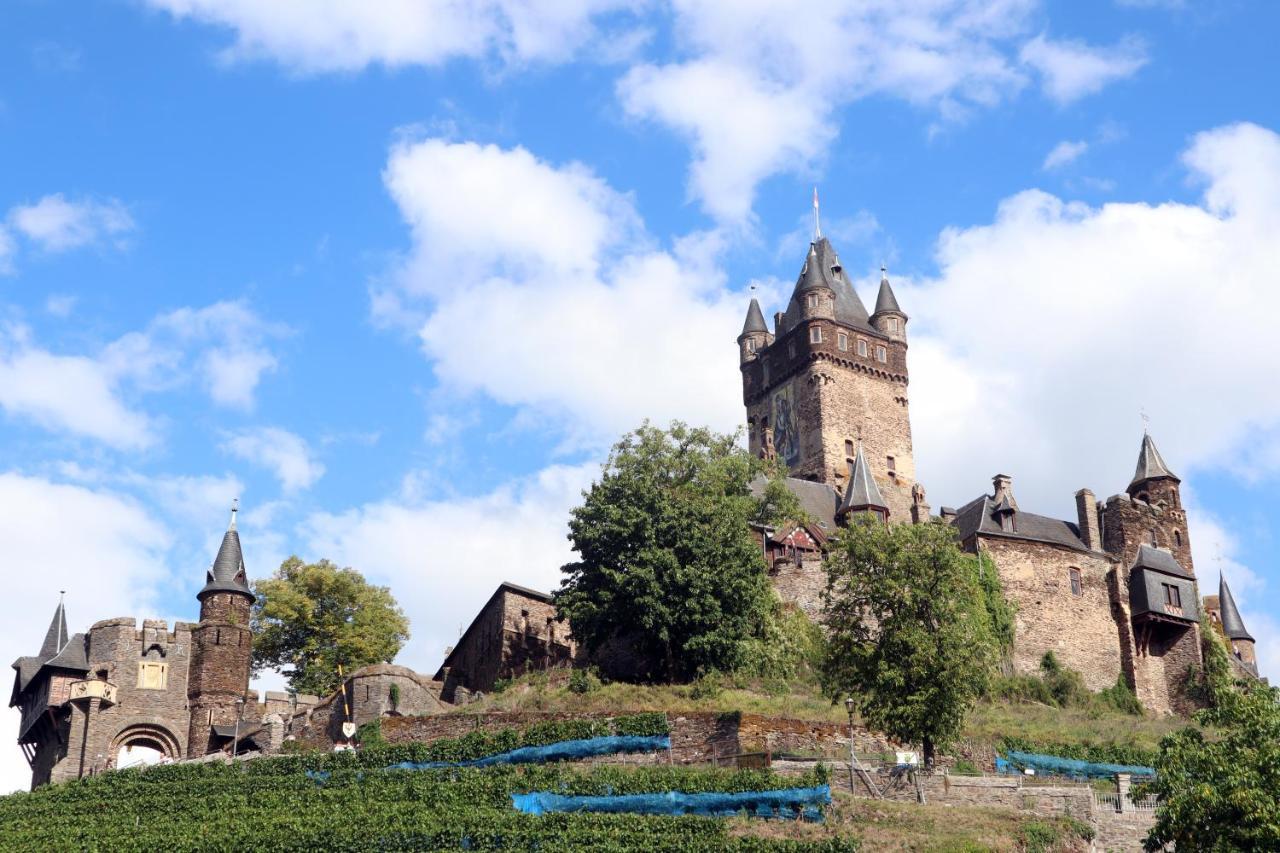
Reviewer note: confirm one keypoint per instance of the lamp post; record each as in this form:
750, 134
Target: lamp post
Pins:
235, 740
848, 705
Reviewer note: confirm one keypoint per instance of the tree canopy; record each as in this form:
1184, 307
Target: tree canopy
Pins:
910, 636
311, 617
668, 567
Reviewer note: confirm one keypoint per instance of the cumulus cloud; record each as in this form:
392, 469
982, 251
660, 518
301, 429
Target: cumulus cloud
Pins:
444, 558
1070, 69
284, 453
1063, 153
56, 224
565, 307
347, 35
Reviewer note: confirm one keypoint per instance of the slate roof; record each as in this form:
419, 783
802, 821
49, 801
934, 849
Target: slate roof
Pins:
755, 319
979, 517
227, 573
822, 268
819, 500
1232, 624
1150, 463
56, 637
58, 651
885, 300
1159, 560
862, 491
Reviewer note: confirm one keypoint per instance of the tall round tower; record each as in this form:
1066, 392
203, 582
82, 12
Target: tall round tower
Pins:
221, 647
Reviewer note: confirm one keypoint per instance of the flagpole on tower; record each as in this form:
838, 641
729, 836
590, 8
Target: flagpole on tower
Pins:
817, 224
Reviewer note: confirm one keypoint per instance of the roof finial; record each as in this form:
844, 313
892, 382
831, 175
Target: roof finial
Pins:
884, 272
235, 507
817, 223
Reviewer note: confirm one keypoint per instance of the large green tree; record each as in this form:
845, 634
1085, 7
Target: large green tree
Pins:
1219, 780
668, 567
910, 636
311, 617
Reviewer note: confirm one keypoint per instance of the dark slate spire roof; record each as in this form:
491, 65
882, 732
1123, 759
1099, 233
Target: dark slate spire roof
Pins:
862, 491
822, 268
886, 302
59, 650
227, 573
1150, 464
755, 319
1232, 624
1160, 560
56, 637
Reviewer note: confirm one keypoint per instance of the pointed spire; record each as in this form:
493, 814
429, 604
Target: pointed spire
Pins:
885, 300
227, 573
862, 493
1150, 464
755, 319
56, 637
1232, 624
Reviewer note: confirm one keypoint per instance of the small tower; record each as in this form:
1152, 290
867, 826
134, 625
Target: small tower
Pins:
888, 317
1240, 640
221, 646
755, 334
862, 494
1153, 482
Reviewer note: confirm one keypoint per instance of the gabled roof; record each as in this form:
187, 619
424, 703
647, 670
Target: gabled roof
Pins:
818, 500
862, 491
227, 573
979, 517
1232, 624
755, 319
886, 302
58, 651
1159, 560
1150, 463
822, 268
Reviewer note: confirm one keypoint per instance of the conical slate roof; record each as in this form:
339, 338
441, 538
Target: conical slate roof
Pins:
59, 650
227, 573
1232, 624
1150, 464
862, 491
822, 268
886, 302
56, 637
755, 319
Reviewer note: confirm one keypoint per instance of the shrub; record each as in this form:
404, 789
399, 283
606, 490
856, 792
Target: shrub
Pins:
965, 767
584, 681
1122, 698
369, 735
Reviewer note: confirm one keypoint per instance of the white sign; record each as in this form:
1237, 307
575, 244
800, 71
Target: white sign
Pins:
348, 729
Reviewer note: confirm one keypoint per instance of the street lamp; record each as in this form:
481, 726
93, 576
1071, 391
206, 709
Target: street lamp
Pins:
848, 706
235, 740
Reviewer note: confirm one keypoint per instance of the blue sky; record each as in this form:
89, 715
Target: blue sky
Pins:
396, 274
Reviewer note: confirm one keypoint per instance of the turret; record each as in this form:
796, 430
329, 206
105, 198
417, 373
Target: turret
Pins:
888, 317
755, 334
1153, 483
1238, 637
221, 646
814, 296
861, 495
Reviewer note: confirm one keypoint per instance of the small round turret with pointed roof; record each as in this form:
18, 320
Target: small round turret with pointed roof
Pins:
888, 317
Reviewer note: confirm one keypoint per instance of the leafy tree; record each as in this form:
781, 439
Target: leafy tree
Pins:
910, 637
668, 564
1220, 790
311, 617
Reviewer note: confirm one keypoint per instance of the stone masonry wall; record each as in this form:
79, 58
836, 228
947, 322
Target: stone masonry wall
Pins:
222, 647
512, 635
801, 584
1080, 630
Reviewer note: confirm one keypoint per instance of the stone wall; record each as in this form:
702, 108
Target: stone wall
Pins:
222, 647
801, 583
1080, 630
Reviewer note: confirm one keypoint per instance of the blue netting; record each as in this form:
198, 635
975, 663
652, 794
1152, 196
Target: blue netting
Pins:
565, 750
788, 803
1053, 765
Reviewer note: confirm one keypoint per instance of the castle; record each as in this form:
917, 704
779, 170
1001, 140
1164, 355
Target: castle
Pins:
1112, 593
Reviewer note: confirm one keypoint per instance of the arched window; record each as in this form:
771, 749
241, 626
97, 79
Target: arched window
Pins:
1177, 538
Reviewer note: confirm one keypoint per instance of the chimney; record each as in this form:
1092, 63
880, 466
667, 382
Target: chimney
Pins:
1003, 485
1087, 513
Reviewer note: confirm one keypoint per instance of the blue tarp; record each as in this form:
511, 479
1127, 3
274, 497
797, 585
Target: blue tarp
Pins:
1016, 762
565, 750
784, 803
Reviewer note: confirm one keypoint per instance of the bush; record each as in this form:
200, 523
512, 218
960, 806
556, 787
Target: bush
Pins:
369, 735
1122, 698
583, 681
965, 767
1101, 753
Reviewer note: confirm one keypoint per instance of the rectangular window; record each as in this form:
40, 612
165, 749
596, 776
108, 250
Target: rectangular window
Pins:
842, 339
751, 345
1077, 587
152, 676
848, 448
882, 354
815, 335
893, 324
791, 348
890, 461
1172, 597
813, 300
862, 348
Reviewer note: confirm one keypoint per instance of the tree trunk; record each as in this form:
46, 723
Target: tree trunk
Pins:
928, 753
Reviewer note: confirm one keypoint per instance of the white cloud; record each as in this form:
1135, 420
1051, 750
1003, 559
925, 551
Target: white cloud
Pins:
60, 304
285, 454
1063, 153
552, 313
347, 35
7, 249
443, 558
56, 224
114, 538
1072, 69
1049, 329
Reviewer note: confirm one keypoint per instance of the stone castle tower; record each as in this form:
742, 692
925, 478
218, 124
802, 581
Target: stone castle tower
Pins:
830, 381
221, 647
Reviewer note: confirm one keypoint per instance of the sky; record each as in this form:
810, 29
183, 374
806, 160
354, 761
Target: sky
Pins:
397, 274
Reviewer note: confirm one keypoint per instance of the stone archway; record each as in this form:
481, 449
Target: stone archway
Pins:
144, 743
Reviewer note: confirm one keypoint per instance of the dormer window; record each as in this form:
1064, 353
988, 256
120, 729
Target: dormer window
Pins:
882, 354
862, 348
815, 335
842, 340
